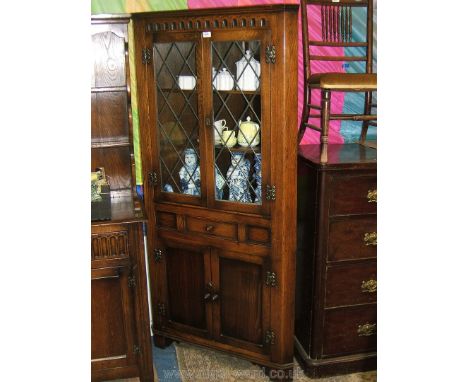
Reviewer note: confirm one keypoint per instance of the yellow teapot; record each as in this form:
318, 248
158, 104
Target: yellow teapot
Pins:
249, 133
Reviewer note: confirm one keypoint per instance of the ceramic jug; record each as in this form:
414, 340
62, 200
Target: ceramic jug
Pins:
248, 72
249, 133
224, 80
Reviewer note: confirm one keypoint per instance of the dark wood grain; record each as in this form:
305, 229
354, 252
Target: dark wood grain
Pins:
120, 342
255, 238
334, 214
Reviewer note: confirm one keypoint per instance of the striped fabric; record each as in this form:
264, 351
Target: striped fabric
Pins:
346, 131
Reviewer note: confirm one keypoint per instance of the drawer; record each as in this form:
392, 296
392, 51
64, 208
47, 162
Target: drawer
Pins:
351, 284
354, 194
225, 230
350, 330
352, 238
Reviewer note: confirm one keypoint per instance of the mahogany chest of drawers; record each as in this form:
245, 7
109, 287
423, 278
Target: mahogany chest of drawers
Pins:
336, 284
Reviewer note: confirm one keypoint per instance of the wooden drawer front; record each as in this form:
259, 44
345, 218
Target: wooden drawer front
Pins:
258, 234
351, 284
350, 194
166, 220
350, 330
352, 238
225, 230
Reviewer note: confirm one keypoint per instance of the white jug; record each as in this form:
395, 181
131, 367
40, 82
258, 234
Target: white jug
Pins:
248, 72
224, 80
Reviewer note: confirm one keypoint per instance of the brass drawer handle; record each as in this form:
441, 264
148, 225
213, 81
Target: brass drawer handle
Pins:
369, 286
370, 238
366, 329
209, 228
372, 196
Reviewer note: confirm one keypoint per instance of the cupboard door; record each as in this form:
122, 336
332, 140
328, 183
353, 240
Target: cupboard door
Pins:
176, 84
238, 109
187, 275
241, 312
112, 324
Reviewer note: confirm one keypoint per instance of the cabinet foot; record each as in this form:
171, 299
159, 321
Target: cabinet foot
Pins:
161, 341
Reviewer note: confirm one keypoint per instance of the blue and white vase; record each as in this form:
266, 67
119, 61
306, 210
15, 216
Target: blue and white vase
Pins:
238, 178
219, 184
258, 177
190, 173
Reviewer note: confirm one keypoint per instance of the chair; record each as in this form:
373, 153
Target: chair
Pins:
337, 30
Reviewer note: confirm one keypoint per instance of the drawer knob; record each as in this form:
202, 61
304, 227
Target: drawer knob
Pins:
209, 228
372, 196
366, 330
370, 238
369, 286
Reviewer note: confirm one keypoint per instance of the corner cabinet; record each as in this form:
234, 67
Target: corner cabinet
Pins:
217, 93
120, 328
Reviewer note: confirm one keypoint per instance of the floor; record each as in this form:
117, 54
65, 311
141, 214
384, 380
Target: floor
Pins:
183, 363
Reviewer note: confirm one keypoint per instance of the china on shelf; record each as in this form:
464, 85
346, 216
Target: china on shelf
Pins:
219, 127
223, 80
229, 138
186, 82
248, 72
249, 133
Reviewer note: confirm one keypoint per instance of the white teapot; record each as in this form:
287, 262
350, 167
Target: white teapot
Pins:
249, 133
248, 72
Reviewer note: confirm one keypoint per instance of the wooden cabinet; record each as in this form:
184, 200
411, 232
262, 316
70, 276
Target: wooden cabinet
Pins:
120, 332
221, 219
336, 286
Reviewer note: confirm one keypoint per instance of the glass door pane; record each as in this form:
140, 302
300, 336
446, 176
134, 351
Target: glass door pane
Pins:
178, 121
236, 79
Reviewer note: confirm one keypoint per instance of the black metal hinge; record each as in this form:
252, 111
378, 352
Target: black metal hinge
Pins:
131, 281
136, 349
270, 54
271, 279
270, 192
158, 254
153, 178
161, 314
146, 56
270, 337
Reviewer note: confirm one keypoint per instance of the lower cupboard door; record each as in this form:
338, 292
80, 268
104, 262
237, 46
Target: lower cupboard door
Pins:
241, 313
112, 323
187, 275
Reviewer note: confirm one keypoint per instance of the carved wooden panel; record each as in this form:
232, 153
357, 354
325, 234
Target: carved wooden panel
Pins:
109, 60
107, 245
222, 22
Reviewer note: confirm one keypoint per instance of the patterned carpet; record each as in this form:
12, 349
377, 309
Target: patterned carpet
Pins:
189, 363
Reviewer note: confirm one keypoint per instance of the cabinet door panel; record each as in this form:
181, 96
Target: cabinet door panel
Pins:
112, 325
181, 166
241, 315
187, 274
239, 106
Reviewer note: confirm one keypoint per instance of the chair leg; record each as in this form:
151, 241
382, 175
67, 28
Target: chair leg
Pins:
305, 116
325, 121
367, 111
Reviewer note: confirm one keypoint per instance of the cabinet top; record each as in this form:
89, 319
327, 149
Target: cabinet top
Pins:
222, 10
339, 155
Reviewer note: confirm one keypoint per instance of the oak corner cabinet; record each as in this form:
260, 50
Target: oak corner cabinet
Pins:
221, 217
120, 328
336, 280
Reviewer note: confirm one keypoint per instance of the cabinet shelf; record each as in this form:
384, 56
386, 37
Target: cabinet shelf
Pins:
256, 149
109, 89
109, 142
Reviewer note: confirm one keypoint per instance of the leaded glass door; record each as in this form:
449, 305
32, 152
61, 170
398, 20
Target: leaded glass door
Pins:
177, 87
239, 112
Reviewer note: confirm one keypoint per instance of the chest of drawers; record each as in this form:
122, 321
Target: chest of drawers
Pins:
336, 286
